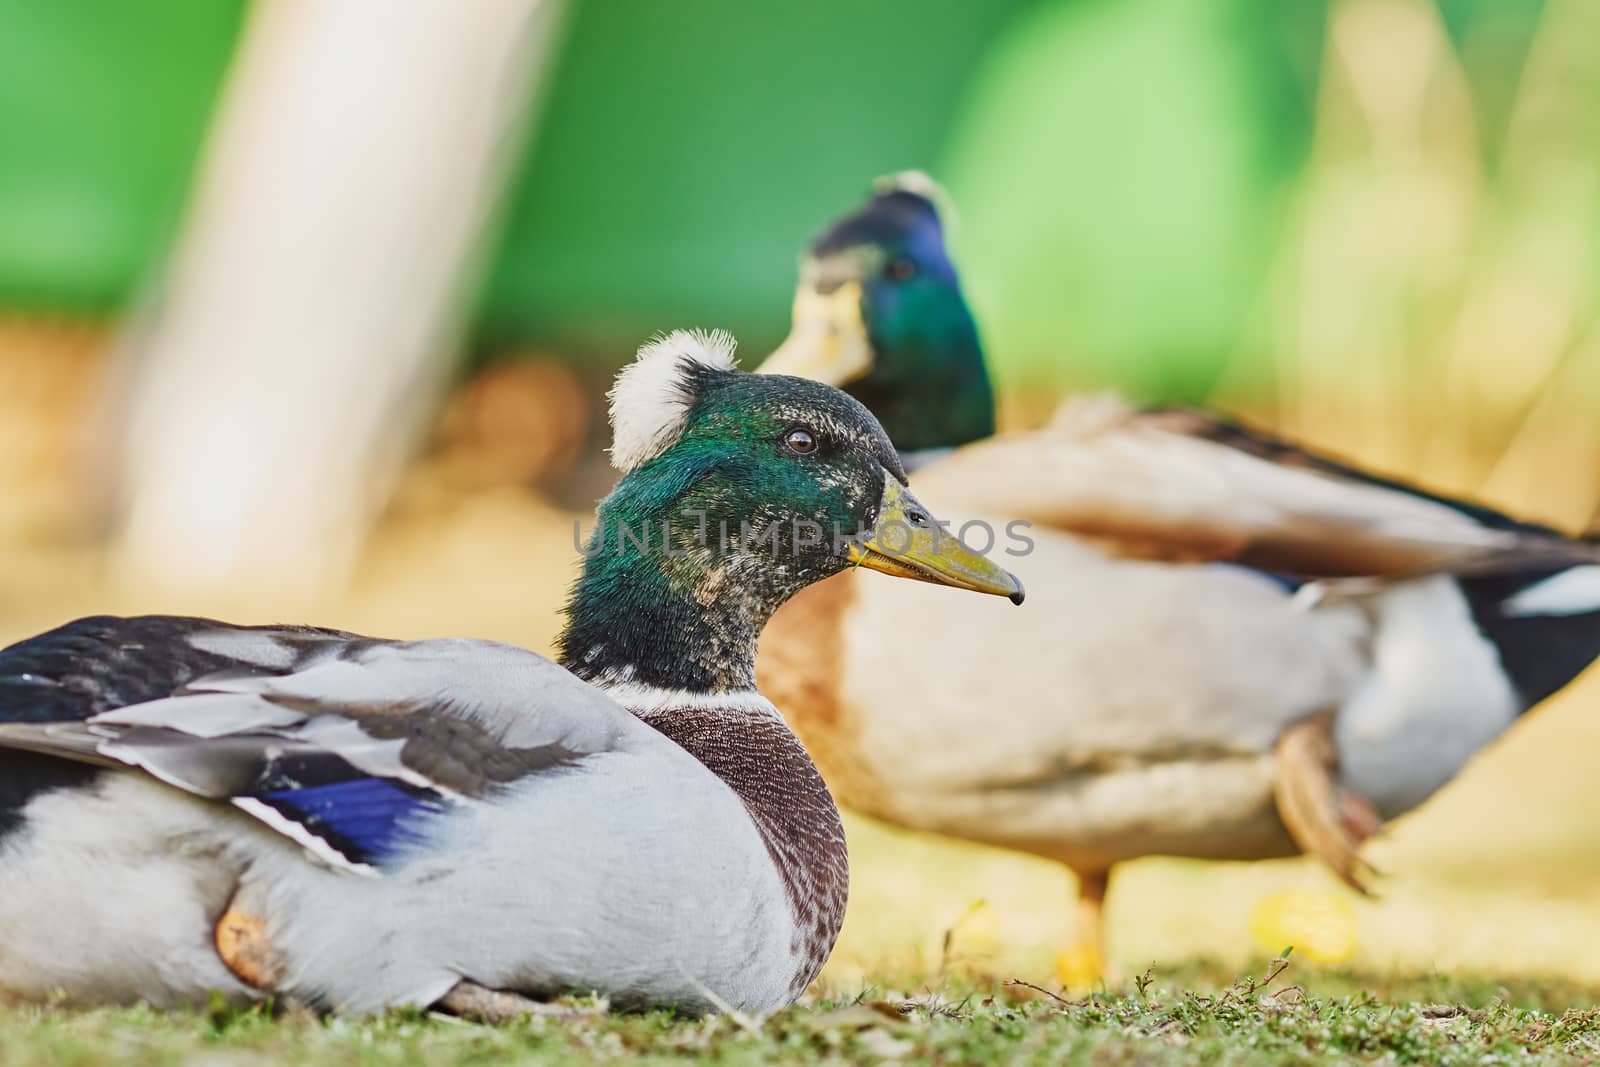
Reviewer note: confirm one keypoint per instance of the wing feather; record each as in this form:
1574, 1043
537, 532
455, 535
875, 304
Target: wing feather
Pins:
1185, 487
343, 746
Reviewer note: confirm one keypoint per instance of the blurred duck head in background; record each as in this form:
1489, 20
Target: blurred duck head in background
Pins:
879, 313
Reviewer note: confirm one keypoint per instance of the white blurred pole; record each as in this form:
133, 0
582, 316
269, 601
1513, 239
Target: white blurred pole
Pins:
317, 294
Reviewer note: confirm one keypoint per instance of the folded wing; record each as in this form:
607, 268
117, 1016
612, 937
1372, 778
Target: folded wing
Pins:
346, 745
1178, 485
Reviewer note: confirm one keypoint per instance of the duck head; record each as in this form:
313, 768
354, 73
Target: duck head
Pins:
879, 313
738, 490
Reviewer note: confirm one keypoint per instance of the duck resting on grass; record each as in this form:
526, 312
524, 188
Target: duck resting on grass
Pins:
188, 806
1168, 692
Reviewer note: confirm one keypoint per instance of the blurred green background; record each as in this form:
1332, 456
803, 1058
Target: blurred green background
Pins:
1126, 171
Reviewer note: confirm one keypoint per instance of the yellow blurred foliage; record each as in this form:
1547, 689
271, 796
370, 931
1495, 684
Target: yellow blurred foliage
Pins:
1317, 924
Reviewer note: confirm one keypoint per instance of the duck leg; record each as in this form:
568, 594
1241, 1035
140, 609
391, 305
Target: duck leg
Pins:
245, 949
1082, 964
242, 943
496, 1006
1324, 820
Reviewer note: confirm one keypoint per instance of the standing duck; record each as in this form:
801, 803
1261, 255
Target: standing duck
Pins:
1169, 691
188, 806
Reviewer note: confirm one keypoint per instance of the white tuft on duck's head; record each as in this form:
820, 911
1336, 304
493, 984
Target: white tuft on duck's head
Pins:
651, 400
919, 183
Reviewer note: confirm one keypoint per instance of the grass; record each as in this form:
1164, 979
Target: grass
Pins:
1190, 1015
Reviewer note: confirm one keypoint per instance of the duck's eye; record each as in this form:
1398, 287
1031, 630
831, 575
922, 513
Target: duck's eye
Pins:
899, 269
801, 441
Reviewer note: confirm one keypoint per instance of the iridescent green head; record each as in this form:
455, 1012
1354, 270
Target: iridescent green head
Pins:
738, 490
879, 313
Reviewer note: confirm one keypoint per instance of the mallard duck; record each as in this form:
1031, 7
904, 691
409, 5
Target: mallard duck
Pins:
188, 806
1169, 691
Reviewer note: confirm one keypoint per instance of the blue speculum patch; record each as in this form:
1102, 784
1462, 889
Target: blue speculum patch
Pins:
368, 820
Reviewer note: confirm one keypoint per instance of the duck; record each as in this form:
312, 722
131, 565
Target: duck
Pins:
1237, 649
191, 809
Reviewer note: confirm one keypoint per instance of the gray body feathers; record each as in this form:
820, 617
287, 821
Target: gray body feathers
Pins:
403, 815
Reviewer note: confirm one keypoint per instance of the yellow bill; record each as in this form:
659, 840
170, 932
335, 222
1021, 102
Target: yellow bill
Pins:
827, 341
908, 543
